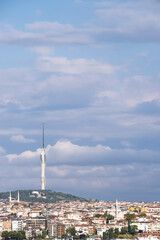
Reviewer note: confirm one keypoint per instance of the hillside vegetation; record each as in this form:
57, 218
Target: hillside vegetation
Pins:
47, 196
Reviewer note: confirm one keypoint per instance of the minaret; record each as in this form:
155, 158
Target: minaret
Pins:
18, 197
116, 212
10, 198
43, 164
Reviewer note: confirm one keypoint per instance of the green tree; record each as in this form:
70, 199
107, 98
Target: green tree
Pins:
117, 231
25, 205
98, 215
133, 230
5, 235
44, 234
14, 235
135, 210
17, 235
111, 233
124, 230
22, 232
64, 235
142, 215
71, 230
129, 217
105, 235
109, 217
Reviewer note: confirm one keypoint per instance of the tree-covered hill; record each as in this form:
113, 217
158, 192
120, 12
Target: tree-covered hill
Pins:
47, 196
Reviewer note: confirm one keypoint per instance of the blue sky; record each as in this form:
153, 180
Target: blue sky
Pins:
90, 71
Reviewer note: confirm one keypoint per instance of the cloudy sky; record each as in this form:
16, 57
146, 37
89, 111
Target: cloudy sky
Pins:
90, 70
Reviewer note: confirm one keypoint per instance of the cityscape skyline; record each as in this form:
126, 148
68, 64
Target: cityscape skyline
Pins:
90, 71
33, 217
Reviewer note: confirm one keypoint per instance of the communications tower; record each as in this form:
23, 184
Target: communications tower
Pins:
43, 164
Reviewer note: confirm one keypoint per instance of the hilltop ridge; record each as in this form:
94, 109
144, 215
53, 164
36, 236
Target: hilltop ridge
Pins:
47, 196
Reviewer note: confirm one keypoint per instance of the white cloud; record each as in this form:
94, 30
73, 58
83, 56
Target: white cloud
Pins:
43, 50
75, 66
97, 168
51, 26
58, 80
130, 20
130, 14
117, 21
20, 131
108, 94
126, 144
21, 139
59, 171
129, 92
91, 170
24, 158
2, 150
11, 157
18, 88
44, 33
66, 153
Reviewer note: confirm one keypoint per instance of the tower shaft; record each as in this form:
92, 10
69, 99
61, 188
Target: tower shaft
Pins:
43, 164
43, 168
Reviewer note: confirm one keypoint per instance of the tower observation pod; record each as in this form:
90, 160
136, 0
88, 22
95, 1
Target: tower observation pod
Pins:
43, 164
